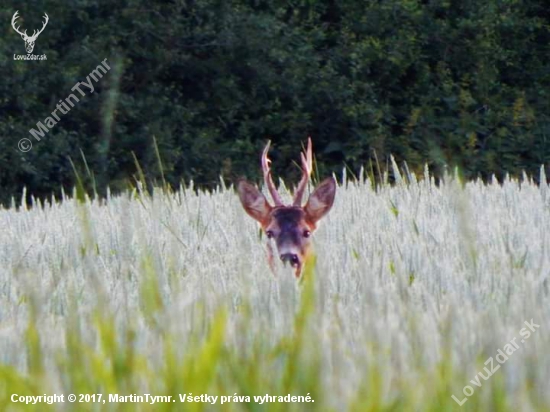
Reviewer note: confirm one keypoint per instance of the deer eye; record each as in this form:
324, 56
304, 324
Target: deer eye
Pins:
269, 234
307, 233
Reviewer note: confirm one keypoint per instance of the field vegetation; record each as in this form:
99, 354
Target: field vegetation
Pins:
412, 288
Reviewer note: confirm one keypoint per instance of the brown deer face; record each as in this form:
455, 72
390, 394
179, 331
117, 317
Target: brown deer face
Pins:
289, 226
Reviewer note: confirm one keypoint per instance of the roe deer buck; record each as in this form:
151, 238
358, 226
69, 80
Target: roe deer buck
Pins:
289, 225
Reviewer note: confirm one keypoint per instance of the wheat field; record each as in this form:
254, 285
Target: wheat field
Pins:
414, 286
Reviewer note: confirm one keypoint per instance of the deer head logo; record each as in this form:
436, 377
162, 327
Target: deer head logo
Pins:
29, 40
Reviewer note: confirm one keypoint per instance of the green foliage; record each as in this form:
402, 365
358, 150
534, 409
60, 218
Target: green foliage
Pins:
446, 82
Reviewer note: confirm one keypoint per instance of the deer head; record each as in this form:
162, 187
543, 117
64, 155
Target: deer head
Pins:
289, 226
29, 40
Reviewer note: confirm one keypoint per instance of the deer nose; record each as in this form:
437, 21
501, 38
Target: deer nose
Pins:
291, 258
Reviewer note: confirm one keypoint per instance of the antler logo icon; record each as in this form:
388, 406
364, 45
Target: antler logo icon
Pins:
29, 40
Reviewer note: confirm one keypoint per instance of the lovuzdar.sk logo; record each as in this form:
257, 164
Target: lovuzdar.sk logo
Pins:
29, 40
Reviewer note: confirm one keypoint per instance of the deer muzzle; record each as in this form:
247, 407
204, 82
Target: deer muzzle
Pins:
291, 258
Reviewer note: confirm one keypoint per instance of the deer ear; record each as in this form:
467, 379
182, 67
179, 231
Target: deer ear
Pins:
321, 200
254, 202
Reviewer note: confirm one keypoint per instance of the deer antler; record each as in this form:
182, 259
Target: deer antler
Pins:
267, 176
24, 34
15, 17
307, 167
35, 33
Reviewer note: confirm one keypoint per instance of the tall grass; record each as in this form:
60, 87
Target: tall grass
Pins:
412, 288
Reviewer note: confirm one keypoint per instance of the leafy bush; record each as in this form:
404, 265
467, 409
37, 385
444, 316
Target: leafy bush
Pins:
451, 82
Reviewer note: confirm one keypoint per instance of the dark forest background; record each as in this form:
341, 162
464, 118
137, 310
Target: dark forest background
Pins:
458, 83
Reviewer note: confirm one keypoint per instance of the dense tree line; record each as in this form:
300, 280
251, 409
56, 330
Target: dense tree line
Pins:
207, 82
